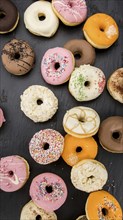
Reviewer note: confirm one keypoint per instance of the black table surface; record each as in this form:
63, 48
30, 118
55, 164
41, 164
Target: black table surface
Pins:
17, 131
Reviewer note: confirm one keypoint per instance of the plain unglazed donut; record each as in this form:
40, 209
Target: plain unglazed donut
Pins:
81, 122
18, 57
76, 149
86, 83
39, 103
101, 30
31, 212
83, 52
70, 12
115, 85
103, 205
89, 175
40, 19
46, 146
57, 65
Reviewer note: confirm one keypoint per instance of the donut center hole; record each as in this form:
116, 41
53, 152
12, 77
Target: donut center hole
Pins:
57, 65
41, 17
2, 14
70, 4
87, 84
16, 56
104, 211
78, 149
11, 173
81, 119
101, 29
77, 55
39, 102
46, 146
38, 217
49, 189
91, 177
116, 135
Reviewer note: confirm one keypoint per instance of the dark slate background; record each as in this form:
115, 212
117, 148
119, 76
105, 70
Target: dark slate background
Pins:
18, 129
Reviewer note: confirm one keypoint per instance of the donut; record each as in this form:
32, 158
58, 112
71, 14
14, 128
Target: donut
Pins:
57, 65
102, 205
48, 191
33, 212
18, 57
82, 217
8, 21
76, 149
38, 103
46, 146
40, 19
70, 12
14, 172
86, 83
115, 85
89, 175
101, 30
81, 122
83, 52
111, 134
2, 119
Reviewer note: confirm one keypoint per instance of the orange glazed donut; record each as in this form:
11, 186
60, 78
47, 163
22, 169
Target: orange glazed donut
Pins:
76, 149
101, 205
101, 30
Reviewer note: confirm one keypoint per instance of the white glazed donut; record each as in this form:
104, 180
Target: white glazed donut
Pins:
31, 212
39, 103
89, 175
86, 83
40, 19
81, 122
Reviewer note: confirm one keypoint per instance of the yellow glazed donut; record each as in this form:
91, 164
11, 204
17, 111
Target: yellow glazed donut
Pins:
101, 205
81, 122
101, 30
76, 149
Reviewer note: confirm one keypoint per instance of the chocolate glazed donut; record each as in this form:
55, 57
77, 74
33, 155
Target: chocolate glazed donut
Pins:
9, 16
83, 52
111, 134
18, 57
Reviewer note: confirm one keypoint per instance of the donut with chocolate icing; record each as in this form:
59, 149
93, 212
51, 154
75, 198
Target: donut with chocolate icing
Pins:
111, 134
18, 57
115, 85
83, 52
9, 16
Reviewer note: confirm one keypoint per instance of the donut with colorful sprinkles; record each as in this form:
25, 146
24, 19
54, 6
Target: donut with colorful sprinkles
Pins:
48, 191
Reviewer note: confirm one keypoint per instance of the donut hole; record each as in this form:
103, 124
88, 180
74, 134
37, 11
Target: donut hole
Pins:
39, 102
11, 173
38, 217
81, 119
78, 149
16, 56
49, 189
102, 29
91, 177
41, 17
57, 65
46, 146
77, 55
87, 84
104, 211
70, 4
2, 14
116, 135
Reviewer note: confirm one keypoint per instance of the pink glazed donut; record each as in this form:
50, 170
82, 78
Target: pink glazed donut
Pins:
57, 65
46, 146
14, 172
48, 191
2, 119
70, 12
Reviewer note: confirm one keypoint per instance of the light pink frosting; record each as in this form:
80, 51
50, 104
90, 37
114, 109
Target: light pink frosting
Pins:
13, 173
60, 56
48, 201
2, 119
72, 11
